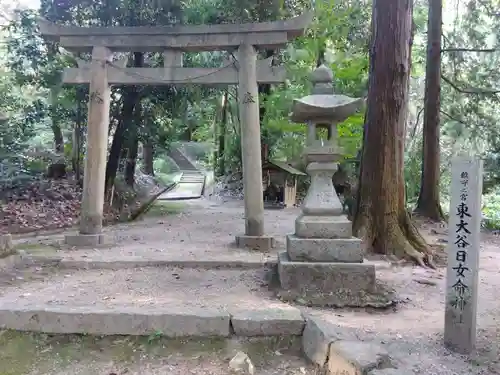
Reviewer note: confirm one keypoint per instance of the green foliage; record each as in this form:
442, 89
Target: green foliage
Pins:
491, 210
340, 30
37, 106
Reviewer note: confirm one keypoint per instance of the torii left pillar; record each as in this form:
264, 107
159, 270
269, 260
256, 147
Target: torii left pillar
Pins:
248, 96
91, 218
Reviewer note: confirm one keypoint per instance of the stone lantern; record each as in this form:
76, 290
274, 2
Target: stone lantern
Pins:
323, 264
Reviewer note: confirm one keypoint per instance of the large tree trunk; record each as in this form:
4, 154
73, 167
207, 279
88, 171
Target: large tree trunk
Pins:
381, 216
130, 99
428, 204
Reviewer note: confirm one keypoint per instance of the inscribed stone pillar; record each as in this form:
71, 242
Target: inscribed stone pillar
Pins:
97, 144
463, 254
250, 140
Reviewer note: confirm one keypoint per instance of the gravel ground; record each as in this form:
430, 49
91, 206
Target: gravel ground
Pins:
204, 230
412, 332
162, 288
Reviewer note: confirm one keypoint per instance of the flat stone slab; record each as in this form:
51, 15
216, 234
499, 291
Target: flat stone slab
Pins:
260, 243
138, 254
90, 320
347, 250
356, 357
317, 337
268, 322
323, 227
392, 371
84, 240
141, 301
134, 262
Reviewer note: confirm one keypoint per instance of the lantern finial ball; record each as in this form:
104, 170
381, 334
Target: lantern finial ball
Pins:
322, 74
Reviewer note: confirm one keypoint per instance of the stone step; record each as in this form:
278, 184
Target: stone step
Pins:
181, 160
356, 357
392, 371
195, 177
143, 301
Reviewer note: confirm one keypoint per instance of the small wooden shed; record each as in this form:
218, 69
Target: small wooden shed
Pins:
280, 182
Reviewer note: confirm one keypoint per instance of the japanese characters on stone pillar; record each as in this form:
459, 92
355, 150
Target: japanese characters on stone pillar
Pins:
463, 254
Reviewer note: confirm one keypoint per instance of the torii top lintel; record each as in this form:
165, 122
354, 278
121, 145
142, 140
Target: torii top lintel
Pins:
184, 38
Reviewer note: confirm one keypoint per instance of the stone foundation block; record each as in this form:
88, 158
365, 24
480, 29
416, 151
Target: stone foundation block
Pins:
317, 337
95, 321
356, 358
323, 227
347, 250
270, 322
261, 243
391, 371
84, 240
322, 277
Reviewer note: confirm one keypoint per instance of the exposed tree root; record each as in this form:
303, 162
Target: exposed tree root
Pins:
402, 240
431, 211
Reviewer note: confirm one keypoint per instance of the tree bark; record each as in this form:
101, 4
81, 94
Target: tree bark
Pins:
148, 157
55, 120
381, 217
428, 204
221, 140
78, 137
130, 100
133, 145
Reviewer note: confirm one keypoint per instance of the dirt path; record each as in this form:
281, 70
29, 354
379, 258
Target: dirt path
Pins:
203, 230
413, 332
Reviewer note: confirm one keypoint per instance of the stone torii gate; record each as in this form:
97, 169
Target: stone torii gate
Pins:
246, 71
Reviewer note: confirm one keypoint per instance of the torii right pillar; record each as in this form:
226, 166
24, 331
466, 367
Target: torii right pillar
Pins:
248, 97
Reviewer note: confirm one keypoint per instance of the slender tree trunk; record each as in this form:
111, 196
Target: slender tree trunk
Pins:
54, 92
78, 136
428, 204
381, 216
55, 120
221, 160
148, 157
133, 145
264, 90
133, 150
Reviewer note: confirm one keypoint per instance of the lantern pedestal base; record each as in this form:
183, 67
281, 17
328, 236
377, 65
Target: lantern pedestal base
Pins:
307, 226
330, 284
